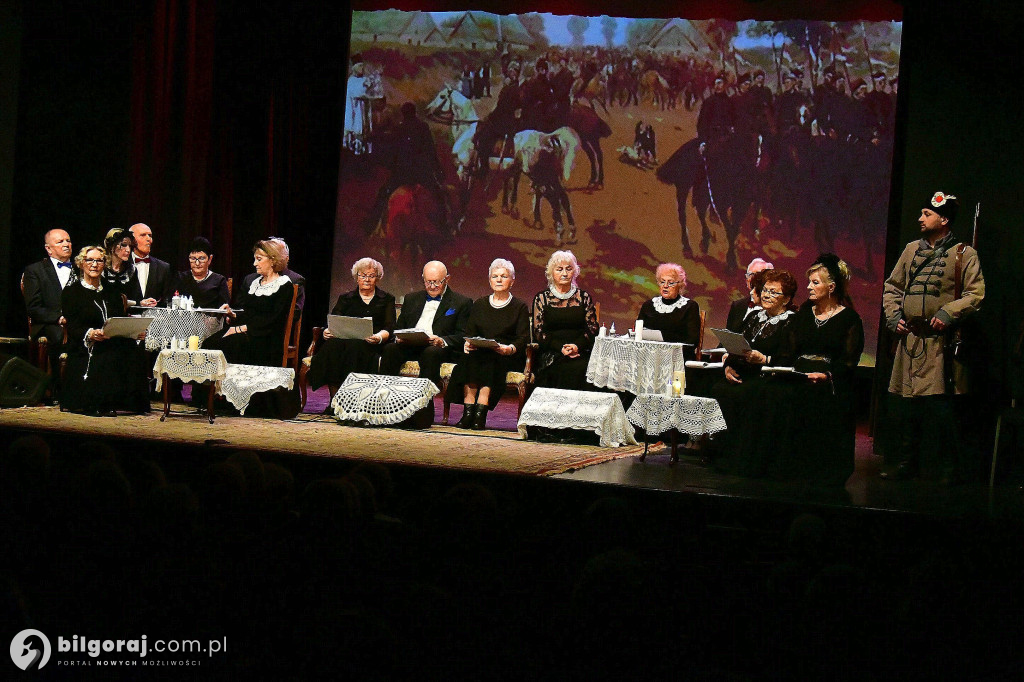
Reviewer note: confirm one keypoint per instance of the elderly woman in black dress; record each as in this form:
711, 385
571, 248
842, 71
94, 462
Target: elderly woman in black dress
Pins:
741, 390
671, 313
256, 334
828, 339
104, 375
480, 372
338, 357
564, 326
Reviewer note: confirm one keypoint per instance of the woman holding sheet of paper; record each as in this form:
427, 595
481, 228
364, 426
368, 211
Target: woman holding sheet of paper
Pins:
671, 313
104, 375
480, 372
338, 357
742, 392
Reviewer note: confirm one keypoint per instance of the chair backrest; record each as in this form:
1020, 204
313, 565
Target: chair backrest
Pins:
231, 288
292, 327
597, 309
700, 339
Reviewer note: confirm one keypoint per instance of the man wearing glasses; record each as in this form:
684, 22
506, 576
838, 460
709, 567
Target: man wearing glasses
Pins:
208, 289
740, 308
438, 311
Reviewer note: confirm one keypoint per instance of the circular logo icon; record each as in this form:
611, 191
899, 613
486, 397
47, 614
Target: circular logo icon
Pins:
30, 650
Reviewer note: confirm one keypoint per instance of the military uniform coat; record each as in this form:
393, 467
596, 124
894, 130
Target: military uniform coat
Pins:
922, 287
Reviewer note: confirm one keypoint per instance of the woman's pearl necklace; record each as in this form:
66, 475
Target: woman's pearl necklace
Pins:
558, 294
499, 305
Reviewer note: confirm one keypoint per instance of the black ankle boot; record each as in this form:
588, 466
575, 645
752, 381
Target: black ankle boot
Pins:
468, 413
480, 418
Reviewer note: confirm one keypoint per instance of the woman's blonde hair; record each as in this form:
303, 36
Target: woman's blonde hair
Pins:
559, 257
80, 258
277, 251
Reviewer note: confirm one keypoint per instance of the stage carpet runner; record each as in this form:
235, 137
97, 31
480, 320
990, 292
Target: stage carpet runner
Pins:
321, 436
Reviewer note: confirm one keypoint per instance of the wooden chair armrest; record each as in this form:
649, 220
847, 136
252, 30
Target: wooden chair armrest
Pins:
314, 344
531, 350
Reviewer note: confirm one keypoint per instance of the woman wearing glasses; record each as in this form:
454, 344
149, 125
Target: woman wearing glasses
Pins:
207, 289
334, 361
741, 393
104, 375
564, 326
671, 313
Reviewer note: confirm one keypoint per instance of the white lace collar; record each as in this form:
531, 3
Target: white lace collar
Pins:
258, 289
663, 308
98, 287
762, 316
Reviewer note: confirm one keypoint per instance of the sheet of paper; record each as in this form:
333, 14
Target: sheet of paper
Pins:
344, 327
127, 327
732, 342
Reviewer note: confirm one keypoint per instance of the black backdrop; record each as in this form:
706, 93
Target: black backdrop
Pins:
223, 118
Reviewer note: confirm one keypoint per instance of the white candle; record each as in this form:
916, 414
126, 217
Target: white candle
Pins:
638, 330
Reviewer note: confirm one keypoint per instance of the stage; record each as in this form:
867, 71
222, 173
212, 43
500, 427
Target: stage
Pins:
500, 450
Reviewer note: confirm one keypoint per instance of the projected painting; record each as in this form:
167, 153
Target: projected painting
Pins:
470, 136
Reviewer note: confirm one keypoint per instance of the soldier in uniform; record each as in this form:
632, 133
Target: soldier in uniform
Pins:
717, 117
921, 307
881, 104
787, 113
539, 100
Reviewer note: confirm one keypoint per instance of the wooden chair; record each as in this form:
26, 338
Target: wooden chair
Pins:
521, 382
292, 331
314, 346
700, 339
231, 288
38, 349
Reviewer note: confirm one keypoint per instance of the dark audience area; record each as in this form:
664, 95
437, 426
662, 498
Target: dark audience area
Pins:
313, 567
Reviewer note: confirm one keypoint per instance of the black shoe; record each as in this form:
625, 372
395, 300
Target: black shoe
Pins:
480, 418
468, 414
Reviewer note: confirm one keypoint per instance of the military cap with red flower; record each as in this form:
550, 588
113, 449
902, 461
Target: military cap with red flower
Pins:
946, 205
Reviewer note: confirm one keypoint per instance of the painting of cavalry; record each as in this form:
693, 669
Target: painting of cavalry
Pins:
470, 136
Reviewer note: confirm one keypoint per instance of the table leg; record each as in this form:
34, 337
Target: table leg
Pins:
209, 401
167, 395
674, 434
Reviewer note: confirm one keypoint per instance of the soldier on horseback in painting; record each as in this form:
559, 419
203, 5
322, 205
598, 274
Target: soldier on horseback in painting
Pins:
540, 101
788, 116
717, 117
413, 162
504, 121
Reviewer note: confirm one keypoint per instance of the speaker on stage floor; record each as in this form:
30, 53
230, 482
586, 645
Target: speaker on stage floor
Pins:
21, 383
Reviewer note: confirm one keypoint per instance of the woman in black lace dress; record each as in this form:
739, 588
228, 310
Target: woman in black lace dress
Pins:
741, 390
564, 326
119, 268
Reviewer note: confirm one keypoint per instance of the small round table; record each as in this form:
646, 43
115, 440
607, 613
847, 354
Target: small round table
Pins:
656, 414
191, 366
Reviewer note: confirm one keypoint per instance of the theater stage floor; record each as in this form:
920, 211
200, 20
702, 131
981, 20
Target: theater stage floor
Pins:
490, 453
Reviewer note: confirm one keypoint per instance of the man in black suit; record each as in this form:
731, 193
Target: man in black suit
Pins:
153, 281
441, 313
43, 281
740, 308
295, 277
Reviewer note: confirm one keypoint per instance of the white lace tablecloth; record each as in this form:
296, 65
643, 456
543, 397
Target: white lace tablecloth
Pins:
191, 365
179, 324
381, 400
601, 413
623, 364
657, 414
242, 382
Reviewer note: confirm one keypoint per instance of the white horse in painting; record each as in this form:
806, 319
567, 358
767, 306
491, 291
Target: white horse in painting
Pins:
452, 108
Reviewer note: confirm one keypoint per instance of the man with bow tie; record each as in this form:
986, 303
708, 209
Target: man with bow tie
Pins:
438, 311
43, 282
151, 284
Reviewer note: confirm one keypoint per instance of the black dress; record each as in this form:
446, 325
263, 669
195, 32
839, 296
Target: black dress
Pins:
509, 325
119, 282
557, 322
337, 358
264, 313
104, 375
821, 449
678, 320
212, 292
740, 449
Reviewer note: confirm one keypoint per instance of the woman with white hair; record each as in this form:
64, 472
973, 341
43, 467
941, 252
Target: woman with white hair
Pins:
480, 372
338, 357
564, 326
671, 313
